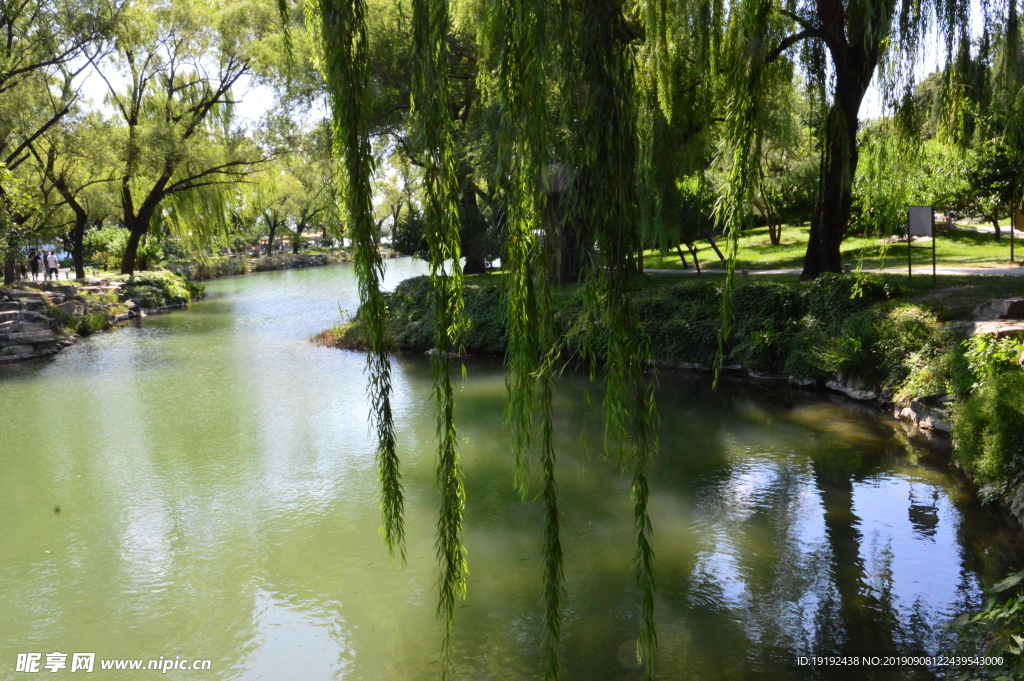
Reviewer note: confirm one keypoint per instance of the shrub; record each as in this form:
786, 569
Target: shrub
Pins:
409, 235
157, 289
997, 631
834, 298
105, 248
93, 322
988, 425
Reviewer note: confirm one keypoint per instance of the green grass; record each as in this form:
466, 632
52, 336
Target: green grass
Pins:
955, 249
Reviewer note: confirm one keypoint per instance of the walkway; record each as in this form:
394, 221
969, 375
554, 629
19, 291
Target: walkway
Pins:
922, 270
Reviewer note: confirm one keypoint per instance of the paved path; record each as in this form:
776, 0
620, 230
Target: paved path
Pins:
918, 271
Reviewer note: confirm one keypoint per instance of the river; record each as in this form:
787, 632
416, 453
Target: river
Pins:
202, 485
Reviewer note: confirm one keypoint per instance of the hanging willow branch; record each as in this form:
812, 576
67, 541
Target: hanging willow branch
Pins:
339, 27
531, 360
431, 95
610, 133
740, 154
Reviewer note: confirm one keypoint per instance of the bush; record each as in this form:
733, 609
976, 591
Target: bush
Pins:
409, 236
158, 289
776, 327
93, 322
105, 248
996, 631
834, 298
988, 425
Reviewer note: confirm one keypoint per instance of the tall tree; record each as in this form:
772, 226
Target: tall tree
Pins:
845, 44
45, 46
75, 165
180, 63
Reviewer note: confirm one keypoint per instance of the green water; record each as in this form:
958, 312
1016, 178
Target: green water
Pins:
216, 487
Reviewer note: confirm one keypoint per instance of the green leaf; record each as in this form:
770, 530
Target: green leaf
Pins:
1009, 582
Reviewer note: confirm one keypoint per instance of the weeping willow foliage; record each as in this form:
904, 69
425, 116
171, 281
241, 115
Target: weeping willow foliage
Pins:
608, 133
339, 26
431, 95
613, 101
518, 45
677, 96
740, 157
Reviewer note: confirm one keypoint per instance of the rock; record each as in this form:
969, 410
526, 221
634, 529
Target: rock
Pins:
929, 414
17, 350
1017, 504
10, 307
32, 337
852, 388
1000, 329
24, 327
72, 307
22, 294
11, 316
1004, 308
767, 378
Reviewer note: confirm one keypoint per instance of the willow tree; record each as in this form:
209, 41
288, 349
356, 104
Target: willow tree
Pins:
170, 81
45, 46
590, 47
844, 45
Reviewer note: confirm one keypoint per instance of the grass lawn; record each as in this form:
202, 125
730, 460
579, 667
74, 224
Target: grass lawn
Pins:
955, 249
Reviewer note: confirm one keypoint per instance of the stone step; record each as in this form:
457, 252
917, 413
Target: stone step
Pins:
999, 329
26, 327
22, 294
10, 316
10, 306
1004, 308
31, 337
16, 351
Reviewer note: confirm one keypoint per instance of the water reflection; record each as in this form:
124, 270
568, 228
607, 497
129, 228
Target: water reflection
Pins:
218, 492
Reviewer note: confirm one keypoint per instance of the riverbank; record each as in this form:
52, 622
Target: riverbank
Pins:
944, 369
231, 265
39, 319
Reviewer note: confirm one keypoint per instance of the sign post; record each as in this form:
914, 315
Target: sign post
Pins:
920, 222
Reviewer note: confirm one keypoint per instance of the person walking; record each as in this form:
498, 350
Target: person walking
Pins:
33, 263
52, 266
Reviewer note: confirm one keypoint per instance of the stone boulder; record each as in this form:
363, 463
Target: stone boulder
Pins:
1004, 308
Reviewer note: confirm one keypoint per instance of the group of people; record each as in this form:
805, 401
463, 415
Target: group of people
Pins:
44, 262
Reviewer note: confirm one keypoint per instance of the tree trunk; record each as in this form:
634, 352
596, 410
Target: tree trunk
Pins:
707, 235
838, 167
473, 231
999, 231
693, 252
682, 258
137, 229
774, 232
77, 239
270, 239
10, 270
